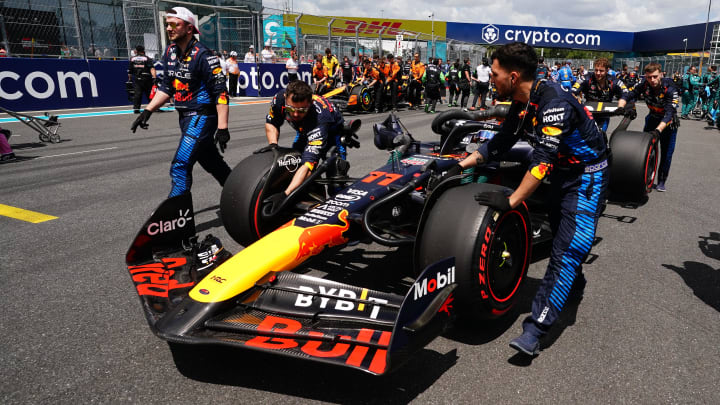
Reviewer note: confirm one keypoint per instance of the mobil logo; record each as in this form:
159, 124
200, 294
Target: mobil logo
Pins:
430, 285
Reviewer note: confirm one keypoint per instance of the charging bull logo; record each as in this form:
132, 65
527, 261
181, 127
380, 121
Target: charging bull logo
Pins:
180, 86
316, 238
541, 170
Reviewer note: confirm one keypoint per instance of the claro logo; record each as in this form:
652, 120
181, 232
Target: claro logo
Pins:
41, 85
168, 226
430, 285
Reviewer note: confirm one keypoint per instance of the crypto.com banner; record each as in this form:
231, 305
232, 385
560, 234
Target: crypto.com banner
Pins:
52, 84
496, 34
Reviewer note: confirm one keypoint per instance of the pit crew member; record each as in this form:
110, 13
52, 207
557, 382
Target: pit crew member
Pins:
565, 76
417, 70
598, 86
691, 91
318, 124
569, 149
193, 76
662, 97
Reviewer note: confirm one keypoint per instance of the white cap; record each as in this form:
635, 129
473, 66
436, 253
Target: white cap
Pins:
185, 15
268, 43
233, 53
252, 47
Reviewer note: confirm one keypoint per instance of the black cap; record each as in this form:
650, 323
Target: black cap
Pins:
140, 48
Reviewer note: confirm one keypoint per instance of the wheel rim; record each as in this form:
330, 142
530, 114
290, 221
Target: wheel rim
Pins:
508, 256
650, 166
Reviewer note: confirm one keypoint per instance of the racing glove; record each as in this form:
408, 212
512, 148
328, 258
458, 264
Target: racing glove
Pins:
272, 202
266, 148
222, 137
655, 133
493, 199
141, 120
620, 111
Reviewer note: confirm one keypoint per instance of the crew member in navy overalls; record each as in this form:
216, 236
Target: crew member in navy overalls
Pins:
662, 98
569, 149
318, 125
599, 86
193, 75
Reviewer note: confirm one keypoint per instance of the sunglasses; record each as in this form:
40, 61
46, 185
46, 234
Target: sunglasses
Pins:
172, 25
299, 110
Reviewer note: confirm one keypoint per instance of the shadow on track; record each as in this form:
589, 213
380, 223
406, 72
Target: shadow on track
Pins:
703, 279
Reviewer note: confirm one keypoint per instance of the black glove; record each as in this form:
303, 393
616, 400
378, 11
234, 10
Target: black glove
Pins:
272, 202
620, 111
655, 133
141, 120
493, 199
266, 148
222, 137
350, 140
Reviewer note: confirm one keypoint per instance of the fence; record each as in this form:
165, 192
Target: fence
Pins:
671, 64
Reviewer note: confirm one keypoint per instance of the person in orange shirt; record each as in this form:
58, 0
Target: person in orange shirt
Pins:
390, 70
417, 70
319, 74
373, 78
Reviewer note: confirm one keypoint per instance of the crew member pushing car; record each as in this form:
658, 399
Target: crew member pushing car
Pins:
569, 149
662, 98
194, 77
599, 86
318, 124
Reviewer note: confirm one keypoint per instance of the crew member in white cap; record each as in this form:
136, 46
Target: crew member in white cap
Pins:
194, 77
268, 56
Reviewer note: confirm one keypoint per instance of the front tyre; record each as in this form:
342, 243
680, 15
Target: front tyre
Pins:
491, 249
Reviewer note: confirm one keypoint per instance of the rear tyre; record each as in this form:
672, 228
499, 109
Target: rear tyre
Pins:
242, 195
491, 249
634, 163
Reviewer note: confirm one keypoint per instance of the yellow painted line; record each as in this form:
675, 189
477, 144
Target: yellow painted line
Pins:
363, 296
600, 105
24, 215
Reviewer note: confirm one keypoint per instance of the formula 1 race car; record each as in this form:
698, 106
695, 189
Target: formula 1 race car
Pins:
353, 97
466, 257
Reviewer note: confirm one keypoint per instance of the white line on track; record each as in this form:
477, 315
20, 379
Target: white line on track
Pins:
77, 153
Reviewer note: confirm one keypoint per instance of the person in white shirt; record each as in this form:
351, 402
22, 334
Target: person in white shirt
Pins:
482, 83
292, 67
250, 55
268, 56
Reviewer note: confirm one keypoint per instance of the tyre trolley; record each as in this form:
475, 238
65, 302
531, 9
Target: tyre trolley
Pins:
47, 128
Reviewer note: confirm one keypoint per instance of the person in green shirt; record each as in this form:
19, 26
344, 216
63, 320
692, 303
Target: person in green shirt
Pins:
691, 90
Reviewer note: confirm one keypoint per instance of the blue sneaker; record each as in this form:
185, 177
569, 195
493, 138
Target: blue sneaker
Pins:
660, 186
526, 343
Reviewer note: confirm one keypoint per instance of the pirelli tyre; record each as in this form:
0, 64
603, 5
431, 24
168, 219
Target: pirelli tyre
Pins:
634, 163
250, 182
491, 249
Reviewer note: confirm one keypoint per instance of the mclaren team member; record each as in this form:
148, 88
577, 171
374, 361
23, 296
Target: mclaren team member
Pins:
417, 70
569, 149
599, 86
390, 72
373, 77
318, 124
142, 70
331, 63
662, 98
193, 76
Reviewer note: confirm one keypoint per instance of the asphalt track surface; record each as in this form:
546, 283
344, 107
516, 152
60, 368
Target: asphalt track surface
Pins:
647, 330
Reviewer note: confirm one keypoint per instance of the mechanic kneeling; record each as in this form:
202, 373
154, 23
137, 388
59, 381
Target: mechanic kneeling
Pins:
318, 124
570, 149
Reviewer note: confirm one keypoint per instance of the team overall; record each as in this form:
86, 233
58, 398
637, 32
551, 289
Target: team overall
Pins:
662, 103
195, 81
569, 149
319, 130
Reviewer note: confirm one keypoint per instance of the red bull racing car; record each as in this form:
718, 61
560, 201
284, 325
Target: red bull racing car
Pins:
466, 258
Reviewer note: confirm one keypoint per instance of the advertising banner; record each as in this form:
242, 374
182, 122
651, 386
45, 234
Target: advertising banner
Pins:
276, 34
51, 84
367, 27
496, 34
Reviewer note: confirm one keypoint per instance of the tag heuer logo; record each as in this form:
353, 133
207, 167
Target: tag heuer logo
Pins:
490, 33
